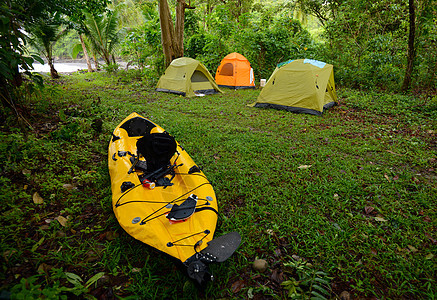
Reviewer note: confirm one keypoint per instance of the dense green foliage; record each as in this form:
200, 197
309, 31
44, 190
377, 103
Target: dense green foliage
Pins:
366, 42
343, 202
369, 48
65, 46
16, 16
142, 46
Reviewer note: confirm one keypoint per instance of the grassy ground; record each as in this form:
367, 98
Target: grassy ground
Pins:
342, 202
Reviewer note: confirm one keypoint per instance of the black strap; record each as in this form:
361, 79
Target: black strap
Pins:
206, 208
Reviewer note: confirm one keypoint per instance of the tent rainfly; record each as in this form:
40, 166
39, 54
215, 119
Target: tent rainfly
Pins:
235, 72
301, 86
187, 77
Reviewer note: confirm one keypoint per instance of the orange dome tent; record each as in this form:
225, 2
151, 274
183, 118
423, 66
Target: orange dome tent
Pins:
235, 72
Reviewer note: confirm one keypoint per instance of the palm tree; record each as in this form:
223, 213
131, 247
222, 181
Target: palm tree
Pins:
101, 31
43, 34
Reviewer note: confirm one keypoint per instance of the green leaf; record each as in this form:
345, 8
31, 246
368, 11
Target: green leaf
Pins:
321, 273
74, 279
76, 50
38, 58
321, 280
37, 244
94, 279
306, 281
286, 283
28, 60
320, 289
291, 290
318, 296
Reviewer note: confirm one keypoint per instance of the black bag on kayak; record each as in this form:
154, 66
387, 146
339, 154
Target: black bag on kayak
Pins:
157, 149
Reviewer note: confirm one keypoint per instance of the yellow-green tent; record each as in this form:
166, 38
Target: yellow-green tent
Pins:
301, 85
187, 77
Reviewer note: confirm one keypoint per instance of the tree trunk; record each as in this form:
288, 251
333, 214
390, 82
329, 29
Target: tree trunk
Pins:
53, 71
171, 37
411, 49
179, 29
85, 52
17, 79
167, 31
96, 63
107, 58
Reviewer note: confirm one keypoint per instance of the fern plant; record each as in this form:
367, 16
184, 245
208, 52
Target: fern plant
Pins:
307, 282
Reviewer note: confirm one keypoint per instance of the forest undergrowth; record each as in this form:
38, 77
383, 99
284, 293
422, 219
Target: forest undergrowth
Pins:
343, 203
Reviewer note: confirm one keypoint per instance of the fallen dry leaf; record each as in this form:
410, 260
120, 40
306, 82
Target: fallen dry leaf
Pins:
394, 153
91, 256
386, 177
237, 286
429, 256
8, 253
68, 186
111, 235
368, 210
44, 227
44, 268
412, 248
303, 167
37, 199
63, 221
277, 276
379, 219
296, 257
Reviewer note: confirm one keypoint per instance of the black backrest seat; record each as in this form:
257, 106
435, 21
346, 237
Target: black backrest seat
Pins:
157, 149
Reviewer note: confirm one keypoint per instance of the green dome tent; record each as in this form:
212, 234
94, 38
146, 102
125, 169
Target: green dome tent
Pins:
187, 77
301, 86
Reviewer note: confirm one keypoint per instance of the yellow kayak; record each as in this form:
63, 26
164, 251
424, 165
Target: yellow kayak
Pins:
142, 211
162, 198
